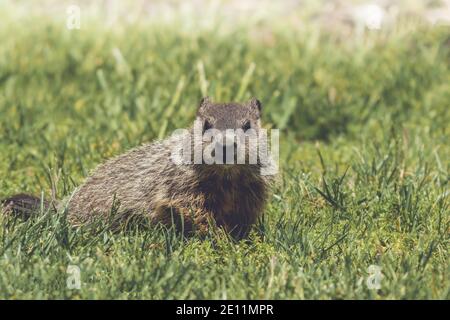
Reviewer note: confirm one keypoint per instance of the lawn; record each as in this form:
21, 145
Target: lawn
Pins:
364, 155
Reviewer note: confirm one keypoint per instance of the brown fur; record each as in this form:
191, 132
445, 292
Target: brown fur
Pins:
23, 205
145, 181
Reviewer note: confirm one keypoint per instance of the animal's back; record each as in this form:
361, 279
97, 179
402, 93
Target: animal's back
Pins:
126, 183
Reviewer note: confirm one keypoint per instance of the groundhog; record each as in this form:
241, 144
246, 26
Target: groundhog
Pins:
151, 181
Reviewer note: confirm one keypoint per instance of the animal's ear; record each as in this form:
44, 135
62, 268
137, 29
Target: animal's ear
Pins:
255, 104
204, 102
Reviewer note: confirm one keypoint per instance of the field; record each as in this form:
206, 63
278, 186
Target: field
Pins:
364, 154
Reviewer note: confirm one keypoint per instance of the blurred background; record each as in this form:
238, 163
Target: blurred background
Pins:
332, 14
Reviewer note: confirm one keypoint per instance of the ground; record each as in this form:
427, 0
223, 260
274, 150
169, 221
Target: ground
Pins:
362, 207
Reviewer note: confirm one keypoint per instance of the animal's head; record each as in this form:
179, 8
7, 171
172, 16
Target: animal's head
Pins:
223, 116
229, 133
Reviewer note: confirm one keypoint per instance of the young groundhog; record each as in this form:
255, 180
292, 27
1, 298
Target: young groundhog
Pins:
192, 195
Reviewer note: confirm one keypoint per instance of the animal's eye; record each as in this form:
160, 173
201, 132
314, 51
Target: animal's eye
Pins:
206, 125
246, 126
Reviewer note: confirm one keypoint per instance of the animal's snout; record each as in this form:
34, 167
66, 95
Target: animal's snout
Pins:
227, 142
227, 147
226, 152
229, 139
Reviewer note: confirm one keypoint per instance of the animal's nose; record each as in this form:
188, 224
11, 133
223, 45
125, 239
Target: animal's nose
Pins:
229, 148
228, 153
229, 139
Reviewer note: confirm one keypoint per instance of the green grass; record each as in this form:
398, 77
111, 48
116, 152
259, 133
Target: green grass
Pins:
364, 157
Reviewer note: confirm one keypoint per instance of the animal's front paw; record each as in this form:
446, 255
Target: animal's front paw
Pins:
185, 220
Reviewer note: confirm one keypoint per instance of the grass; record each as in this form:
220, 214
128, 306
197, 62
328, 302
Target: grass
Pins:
364, 157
